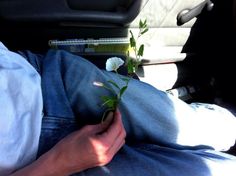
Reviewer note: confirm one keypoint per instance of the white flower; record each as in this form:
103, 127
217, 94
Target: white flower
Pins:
114, 63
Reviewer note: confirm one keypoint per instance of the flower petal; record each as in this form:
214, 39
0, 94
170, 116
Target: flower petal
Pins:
99, 84
113, 63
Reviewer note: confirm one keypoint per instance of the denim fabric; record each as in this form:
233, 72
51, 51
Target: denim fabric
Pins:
165, 136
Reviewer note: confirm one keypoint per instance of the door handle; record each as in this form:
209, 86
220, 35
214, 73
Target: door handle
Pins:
188, 14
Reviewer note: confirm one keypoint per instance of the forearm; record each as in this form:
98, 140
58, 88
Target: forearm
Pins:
46, 165
89, 147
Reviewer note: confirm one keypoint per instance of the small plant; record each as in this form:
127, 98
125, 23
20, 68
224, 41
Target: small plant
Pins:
112, 102
132, 64
113, 63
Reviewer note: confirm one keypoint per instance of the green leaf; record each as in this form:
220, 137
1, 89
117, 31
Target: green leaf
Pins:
105, 98
140, 50
140, 24
126, 80
123, 89
132, 35
109, 89
110, 102
114, 84
145, 23
132, 40
130, 66
144, 31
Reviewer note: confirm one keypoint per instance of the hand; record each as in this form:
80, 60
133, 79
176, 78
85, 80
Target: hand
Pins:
93, 145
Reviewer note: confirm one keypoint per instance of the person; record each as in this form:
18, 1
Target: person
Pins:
151, 133
20, 112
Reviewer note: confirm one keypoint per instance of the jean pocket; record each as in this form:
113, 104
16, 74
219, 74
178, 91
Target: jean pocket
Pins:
53, 130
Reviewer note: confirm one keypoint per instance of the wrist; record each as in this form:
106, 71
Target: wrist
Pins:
50, 165
55, 164
46, 165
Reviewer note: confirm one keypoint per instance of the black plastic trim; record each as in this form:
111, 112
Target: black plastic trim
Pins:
59, 11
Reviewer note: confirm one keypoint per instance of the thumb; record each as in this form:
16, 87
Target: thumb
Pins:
103, 126
108, 119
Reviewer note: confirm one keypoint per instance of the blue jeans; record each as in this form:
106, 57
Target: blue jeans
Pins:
165, 136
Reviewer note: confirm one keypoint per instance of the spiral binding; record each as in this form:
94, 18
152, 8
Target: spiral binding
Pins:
101, 41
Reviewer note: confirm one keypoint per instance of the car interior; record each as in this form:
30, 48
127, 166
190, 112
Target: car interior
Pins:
189, 47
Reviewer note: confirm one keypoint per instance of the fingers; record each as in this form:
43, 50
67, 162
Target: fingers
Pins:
115, 128
112, 139
112, 150
101, 127
110, 132
97, 144
114, 136
118, 144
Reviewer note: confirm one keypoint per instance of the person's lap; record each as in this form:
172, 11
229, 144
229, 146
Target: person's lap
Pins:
164, 135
